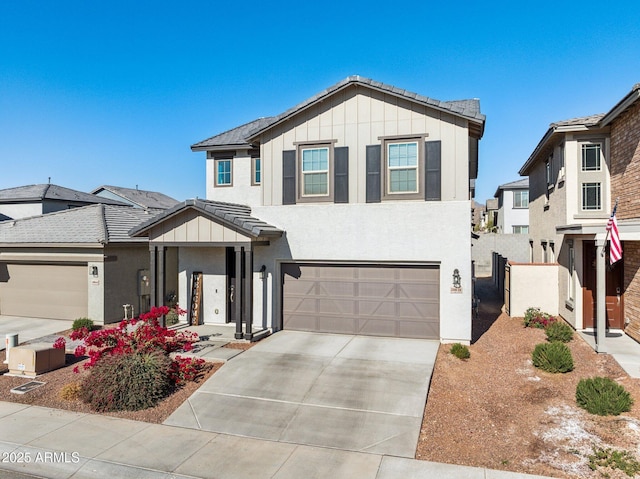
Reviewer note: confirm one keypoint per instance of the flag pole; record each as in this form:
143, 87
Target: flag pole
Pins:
608, 229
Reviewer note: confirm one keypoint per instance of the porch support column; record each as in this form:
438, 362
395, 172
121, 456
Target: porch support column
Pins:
601, 289
237, 300
152, 281
160, 283
248, 292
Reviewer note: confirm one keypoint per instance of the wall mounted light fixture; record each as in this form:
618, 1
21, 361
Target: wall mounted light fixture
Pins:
263, 272
456, 278
94, 271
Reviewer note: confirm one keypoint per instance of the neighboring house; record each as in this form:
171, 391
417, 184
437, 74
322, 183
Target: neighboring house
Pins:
624, 122
32, 200
478, 215
348, 213
513, 207
135, 197
75, 263
577, 171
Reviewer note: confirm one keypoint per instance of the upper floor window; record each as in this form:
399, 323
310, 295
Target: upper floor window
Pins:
591, 196
520, 229
315, 171
591, 156
256, 171
547, 171
223, 172
402, 168
521, 199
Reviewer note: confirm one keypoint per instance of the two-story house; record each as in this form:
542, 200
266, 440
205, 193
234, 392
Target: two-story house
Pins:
33, 200
513, 207
569, 204
348, 213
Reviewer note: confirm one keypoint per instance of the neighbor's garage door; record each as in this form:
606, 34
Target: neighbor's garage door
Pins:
397, 301
43, 291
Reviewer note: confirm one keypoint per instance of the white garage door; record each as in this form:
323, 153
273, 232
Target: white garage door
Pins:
43, 291
377, 300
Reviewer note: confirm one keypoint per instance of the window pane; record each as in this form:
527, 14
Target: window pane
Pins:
591, 196
402, 155
403, 181
590, 157
256, 178
224, 172
316, 184
316, 159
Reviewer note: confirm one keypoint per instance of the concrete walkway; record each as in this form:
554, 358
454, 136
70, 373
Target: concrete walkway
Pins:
42, 442
623, 348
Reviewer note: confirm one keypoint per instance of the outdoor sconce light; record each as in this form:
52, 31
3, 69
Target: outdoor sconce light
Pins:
94, 271
263, 272
456, 278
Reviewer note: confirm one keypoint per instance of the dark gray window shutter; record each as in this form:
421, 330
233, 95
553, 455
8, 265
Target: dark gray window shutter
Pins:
289, 177
432, 171
374, 165
341, 174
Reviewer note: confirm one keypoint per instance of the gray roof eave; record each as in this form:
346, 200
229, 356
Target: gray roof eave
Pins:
250, 226
622, 105
229, 146
381, 87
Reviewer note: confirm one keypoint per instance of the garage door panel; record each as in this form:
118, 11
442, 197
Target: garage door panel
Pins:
371, 300
45, 291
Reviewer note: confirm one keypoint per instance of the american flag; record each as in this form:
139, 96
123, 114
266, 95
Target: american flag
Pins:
615, 247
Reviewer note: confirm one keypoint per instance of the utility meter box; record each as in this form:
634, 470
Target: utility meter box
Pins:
33, 359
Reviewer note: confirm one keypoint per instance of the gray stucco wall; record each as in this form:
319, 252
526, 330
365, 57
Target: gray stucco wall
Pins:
121, 279
513, 247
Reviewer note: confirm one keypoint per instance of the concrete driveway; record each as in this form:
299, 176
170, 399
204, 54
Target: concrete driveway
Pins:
355, 393
29, 329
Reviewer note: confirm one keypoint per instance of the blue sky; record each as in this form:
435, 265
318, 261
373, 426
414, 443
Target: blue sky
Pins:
95, 93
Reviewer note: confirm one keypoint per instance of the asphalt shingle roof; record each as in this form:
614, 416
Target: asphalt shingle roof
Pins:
242, 135
229, 214
142, 198
41, 192
88, 224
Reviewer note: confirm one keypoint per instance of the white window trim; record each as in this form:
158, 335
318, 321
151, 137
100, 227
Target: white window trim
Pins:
520, 192
392, 168
600, 158
303, 173
254, 162
582, 196
215, 172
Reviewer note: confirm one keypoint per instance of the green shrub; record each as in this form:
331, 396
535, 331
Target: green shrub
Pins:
82, 323
603, 396
559, 331
552, 357
460, 351
534, 318
128, 382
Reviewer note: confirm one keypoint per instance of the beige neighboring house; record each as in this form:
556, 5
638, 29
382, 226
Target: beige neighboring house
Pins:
32, 200
74, 263
347, 213
135, 197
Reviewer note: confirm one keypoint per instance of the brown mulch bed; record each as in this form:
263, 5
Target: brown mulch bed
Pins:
497, 410
49, 394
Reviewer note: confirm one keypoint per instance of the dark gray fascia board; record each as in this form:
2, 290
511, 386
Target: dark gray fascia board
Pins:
622, 105
230, 146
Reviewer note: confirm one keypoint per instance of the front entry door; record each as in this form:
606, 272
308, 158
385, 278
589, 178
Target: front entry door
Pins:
233, 280
614, 293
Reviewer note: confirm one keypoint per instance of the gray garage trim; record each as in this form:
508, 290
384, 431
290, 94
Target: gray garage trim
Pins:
43, 290
366, 299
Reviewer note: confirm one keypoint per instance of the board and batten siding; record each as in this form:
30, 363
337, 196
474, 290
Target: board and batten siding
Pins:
190, 226
357, 117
